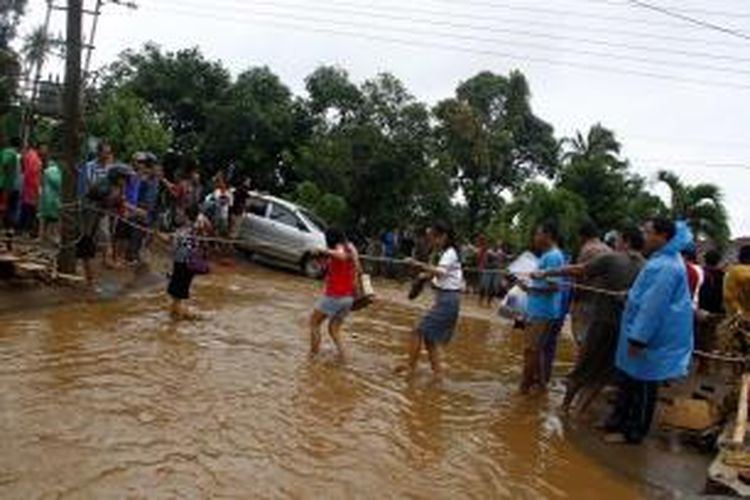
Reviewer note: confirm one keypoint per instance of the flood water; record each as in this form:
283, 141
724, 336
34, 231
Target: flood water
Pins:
114, 400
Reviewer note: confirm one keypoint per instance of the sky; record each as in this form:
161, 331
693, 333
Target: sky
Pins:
675, 89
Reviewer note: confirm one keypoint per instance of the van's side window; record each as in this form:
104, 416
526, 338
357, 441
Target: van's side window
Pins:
257, 206
284, 215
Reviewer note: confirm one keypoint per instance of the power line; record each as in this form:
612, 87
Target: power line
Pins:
355, 9
609, 31
691, 20
706, 12
411, 42
553, 12
638, 59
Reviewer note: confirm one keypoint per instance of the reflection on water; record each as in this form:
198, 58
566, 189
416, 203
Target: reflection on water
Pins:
113, 400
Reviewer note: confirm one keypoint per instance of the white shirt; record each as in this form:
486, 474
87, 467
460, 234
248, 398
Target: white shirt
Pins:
452, 278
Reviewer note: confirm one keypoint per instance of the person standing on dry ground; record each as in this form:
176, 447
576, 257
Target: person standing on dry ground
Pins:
656, 336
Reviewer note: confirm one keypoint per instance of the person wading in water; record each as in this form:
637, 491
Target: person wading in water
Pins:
436, 327
340, 289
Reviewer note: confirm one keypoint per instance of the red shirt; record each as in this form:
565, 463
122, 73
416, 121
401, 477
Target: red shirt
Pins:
340, 277
32, 170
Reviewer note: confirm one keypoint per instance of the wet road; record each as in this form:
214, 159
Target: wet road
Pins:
113, 400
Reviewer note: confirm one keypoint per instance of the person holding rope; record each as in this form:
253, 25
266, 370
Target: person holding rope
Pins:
342, 268
656, 334
613, 274
544, 310
188, 261
437, 326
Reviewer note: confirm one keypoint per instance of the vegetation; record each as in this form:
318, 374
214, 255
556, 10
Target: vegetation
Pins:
371, 156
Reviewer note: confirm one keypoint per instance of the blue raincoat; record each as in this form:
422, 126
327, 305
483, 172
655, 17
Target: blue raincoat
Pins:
659, 314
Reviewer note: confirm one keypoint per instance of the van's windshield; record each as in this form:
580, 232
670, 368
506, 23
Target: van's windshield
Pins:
316, 221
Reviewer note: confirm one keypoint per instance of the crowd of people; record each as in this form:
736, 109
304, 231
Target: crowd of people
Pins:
639, 301
639, 304
30, 191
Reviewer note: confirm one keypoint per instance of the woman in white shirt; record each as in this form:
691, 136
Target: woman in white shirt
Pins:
436, 327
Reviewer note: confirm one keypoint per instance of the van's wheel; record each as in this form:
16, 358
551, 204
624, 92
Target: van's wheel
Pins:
311, 268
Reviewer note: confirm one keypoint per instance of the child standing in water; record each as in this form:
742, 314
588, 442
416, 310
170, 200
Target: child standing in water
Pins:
340, 289
436, 327
185, 245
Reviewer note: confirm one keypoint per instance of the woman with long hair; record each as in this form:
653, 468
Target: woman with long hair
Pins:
436, 327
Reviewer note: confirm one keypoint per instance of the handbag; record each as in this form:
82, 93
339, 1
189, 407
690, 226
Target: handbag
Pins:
196, 262
364, 293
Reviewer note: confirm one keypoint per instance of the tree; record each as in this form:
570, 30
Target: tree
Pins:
537, 203
593, 169
128, 123
11, 12
372, 145
702, 205
258, 124
182, 87
491, 141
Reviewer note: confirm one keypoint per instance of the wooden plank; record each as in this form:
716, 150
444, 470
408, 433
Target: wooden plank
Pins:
740, 425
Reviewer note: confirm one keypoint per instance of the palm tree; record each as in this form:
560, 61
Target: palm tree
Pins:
702, 205
599, 145
37, 47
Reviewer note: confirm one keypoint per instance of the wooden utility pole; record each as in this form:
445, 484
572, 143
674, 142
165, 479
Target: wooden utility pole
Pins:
72, 125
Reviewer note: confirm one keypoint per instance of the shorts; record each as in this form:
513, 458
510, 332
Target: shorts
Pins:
86, 247
335, 307
180, 281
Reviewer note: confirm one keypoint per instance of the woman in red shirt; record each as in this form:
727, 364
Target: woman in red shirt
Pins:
340, 288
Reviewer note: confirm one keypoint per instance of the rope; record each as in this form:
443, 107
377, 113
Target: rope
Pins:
371, 258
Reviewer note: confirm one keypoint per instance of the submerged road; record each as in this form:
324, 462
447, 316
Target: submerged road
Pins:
114, 400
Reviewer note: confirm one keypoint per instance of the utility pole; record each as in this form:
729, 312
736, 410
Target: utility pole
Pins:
90, 46
72, 124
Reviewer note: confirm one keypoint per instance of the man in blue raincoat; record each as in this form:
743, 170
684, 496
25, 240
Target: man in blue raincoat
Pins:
656, 333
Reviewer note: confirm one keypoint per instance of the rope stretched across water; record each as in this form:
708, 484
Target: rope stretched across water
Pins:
371, 258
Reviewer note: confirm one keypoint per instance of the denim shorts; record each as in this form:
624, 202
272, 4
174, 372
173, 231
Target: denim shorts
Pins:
335, 307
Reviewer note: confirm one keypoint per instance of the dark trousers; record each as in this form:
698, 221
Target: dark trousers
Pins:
549, 347
634, 409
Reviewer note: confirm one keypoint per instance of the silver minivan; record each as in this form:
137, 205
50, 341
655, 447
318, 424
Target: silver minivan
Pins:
276, 230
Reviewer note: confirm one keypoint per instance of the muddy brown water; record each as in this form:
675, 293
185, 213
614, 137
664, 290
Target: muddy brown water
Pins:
114, 400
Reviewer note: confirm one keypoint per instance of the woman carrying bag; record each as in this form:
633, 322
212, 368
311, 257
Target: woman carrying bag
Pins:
342, 291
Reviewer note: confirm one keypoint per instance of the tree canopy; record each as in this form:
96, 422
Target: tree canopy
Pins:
369, 155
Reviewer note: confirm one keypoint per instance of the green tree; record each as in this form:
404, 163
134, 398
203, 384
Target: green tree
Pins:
491, 141
128, 122
182, 88
593, 169
534, 204
372, 145
11, 12
702, 205
259, 125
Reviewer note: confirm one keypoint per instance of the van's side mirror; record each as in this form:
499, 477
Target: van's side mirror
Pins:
301, 226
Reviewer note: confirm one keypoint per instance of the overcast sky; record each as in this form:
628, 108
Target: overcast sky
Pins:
676, 94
